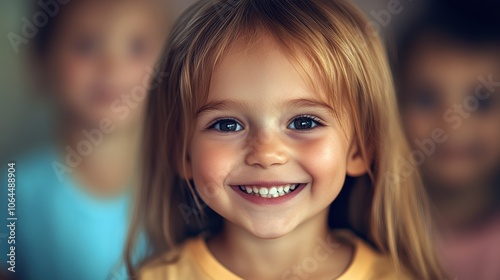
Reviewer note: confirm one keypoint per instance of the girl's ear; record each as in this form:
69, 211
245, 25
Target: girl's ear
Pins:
356, 164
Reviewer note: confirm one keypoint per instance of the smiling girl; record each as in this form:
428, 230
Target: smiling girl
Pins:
268, 107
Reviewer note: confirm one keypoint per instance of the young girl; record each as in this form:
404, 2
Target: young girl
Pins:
95, 58
449, 73
267, 108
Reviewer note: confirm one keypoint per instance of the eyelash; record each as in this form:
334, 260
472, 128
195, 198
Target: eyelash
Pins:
318, 122
216, 121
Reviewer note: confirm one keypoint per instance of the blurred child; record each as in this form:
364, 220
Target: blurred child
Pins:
450, 83
97, 60
267, 107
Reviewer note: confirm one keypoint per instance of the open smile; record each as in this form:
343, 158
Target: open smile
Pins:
269, 192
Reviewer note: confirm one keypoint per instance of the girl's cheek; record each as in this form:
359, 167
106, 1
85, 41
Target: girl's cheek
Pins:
212, 162
323, 159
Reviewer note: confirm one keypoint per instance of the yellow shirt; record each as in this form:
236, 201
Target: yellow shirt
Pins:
196, 262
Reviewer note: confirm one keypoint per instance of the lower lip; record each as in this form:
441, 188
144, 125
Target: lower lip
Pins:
269, 201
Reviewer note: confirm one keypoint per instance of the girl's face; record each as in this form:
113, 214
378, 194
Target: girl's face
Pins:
101, 58
443, 90
265, 129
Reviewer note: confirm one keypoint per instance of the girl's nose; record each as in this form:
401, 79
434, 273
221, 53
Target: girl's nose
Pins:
266, 149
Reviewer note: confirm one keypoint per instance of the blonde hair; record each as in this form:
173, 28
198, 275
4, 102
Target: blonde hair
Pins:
351, 60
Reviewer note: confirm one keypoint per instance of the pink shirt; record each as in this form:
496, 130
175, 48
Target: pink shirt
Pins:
474, 255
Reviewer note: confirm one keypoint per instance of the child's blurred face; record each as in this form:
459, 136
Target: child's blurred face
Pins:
101, 58
442, 89
266, 130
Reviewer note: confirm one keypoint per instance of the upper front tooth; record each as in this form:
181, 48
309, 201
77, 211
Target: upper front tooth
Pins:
263, 191
273, 190
248, 189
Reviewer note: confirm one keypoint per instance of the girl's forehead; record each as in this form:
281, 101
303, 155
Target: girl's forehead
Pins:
264, 63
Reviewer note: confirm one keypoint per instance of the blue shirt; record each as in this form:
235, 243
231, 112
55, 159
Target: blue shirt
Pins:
62, 232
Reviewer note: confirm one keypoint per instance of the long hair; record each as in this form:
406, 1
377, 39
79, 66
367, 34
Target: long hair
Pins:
352, 66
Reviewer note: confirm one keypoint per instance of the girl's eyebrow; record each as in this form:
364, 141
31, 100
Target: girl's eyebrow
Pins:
219, 105
306, 102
